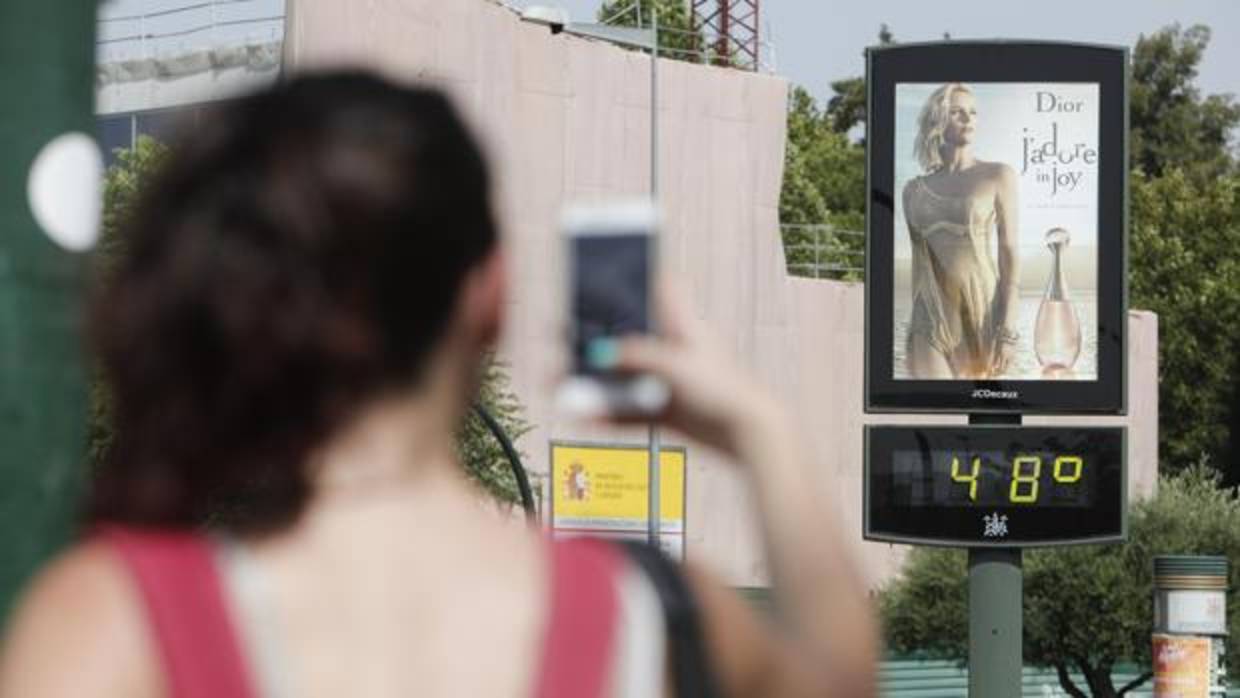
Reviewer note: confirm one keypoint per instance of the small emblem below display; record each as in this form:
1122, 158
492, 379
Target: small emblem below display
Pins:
995, 526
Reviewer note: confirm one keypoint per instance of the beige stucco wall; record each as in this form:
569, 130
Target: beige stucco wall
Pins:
566, 118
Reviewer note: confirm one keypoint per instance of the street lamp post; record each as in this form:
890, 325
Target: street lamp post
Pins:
648, 39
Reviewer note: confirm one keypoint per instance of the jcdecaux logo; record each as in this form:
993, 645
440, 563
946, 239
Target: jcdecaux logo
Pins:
988, 394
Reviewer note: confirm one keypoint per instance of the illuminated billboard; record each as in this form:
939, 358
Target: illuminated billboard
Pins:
996, 228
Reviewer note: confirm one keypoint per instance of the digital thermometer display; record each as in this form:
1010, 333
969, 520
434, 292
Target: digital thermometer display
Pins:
994, 485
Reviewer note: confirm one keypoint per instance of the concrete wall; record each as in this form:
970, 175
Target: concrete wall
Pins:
566, 118
184, 79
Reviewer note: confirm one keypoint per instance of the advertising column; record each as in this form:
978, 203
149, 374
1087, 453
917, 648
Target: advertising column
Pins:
49, 210
995, 265
1190, 623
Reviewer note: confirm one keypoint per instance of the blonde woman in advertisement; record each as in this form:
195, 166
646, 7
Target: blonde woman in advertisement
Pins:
963, 323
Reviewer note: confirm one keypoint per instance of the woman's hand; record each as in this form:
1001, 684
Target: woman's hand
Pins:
1004, 352
828, 640
713, 399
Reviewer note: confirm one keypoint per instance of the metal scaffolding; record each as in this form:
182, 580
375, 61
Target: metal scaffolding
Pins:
729, 29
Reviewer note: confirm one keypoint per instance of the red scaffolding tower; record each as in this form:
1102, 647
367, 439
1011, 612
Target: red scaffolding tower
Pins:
729, 29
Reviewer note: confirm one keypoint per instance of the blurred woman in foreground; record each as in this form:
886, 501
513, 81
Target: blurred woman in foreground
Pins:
308, 292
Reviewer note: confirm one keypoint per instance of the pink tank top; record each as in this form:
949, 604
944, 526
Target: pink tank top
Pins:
176, 575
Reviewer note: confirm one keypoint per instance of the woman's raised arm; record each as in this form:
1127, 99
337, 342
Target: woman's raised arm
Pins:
824, 641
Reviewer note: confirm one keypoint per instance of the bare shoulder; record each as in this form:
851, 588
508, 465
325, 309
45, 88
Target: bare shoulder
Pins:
78, 630
750, 655
908, 196
910, 188
1002, 173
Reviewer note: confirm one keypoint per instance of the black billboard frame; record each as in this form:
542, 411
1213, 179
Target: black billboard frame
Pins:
998, 62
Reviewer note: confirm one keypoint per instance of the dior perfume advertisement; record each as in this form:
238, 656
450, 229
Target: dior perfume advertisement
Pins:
996, 231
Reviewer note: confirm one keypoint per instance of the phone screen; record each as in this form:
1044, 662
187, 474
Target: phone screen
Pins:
610, 291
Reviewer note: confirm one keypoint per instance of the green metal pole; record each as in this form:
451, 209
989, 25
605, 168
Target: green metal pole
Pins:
995, 623
46, 72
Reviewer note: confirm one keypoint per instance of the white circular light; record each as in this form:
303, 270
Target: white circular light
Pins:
65, 190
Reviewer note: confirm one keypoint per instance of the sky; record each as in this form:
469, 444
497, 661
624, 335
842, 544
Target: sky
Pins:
814, 41
818, 41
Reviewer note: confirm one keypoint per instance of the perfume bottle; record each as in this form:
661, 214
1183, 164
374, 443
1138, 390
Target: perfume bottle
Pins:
1057, 332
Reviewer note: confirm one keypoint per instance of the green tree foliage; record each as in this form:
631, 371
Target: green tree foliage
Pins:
833, 188
480, 452
1172, 125
846, 108
1185, 232
1087, 608
824, 180
122, 188
926, 610
823, 187
677, 37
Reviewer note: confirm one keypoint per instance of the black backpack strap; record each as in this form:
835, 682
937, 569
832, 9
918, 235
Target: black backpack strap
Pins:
692, 676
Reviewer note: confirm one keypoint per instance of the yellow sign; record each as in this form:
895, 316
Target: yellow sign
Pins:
1181, 666
605, 488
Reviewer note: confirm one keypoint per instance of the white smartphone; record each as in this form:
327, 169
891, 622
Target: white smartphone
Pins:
611, 273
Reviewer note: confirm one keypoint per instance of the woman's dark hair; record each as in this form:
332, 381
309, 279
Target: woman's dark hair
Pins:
299, 254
